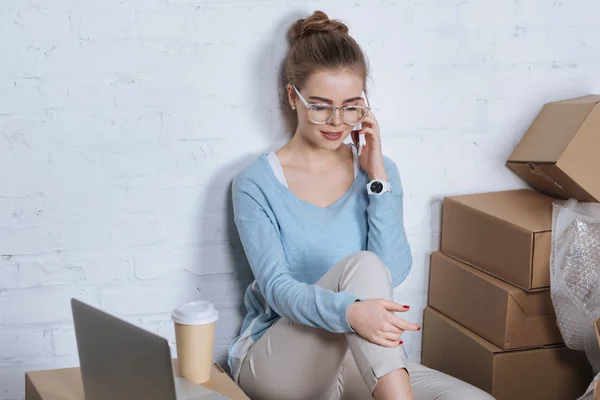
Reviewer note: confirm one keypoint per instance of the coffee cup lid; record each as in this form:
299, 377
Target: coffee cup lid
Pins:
195, 313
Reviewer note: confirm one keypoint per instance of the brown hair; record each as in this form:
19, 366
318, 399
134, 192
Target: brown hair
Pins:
318, 43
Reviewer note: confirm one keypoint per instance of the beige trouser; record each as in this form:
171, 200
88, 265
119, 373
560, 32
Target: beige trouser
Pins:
295, 361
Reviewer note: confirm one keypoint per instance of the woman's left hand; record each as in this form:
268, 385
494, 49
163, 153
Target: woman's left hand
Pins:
371, 158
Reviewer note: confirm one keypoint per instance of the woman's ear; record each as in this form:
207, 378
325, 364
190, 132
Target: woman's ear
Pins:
291, 96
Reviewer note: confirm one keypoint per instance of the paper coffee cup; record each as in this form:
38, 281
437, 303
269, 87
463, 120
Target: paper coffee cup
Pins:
195, 335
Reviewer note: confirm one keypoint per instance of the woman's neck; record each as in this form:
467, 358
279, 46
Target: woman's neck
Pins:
304, 154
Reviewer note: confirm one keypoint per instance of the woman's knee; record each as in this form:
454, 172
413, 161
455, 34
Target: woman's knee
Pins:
434, 384
464, 393
368, 265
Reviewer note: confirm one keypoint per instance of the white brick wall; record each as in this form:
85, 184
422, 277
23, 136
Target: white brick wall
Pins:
122, 124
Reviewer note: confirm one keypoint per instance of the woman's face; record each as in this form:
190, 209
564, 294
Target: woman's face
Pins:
339, 88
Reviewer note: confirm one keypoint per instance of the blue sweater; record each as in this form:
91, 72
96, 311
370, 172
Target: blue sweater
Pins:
291, 243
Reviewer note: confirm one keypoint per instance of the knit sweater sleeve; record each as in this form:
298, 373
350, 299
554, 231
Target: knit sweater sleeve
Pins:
301, 302
386, 234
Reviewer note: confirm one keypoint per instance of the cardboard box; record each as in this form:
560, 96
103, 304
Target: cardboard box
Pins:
559, 154
502, 313
507, 234
543, 373
65, 384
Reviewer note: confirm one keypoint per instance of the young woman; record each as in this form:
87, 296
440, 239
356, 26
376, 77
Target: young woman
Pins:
322, 228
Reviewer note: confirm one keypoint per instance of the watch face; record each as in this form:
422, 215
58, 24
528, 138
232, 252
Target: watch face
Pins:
376, 187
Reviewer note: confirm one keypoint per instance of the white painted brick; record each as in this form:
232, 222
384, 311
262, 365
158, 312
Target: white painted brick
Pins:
119, 163
147, 199
82, 235
30, 178
104, 57
540, 13
210, 260
23, 132
197, 85
160, 24
138, 230
226, 2
71, 267
83, 204
27, 240
209, 23
127, 299
530, 45
102, 266
195, 124
42, 304
9, 274
21, 96
23, 211
64, 342
65, 129
80, 94
223, 290
17, 346
37, 273
424, 15
104, 24
35, 24
488, 15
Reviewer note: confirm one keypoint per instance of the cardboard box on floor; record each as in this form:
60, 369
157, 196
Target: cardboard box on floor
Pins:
553, 373
507, 234
65, 384
559, 154
502, 313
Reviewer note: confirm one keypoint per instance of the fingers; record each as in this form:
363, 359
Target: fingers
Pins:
388, 343
402, 324
392, 336
390, 328
370, 120
393, 306
371, 134
397, 321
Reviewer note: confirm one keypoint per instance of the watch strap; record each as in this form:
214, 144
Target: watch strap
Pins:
386, 187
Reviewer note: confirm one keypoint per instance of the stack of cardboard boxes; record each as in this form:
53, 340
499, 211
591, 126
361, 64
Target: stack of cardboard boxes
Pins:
490, 319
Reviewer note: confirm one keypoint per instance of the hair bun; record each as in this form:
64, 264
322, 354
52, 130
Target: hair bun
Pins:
318, 22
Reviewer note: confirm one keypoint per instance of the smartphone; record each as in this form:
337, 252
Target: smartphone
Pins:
361, 138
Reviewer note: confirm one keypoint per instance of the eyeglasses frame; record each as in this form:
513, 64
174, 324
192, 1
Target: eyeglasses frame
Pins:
309, 106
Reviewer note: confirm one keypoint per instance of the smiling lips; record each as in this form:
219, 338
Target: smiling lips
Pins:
332, 135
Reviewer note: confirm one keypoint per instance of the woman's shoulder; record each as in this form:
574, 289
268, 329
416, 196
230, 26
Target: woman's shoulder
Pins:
253, 174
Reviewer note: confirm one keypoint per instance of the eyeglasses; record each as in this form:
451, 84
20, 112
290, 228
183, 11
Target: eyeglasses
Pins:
323, 113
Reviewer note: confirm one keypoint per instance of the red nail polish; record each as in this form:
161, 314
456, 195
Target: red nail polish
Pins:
401, 342
407, 307
419, 328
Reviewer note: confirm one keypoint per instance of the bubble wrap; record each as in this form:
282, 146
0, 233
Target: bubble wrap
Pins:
575, 274
589, 393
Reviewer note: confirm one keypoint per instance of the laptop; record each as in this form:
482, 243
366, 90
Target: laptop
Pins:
122, 361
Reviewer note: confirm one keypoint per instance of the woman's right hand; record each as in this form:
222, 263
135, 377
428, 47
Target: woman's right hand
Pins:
374, 320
